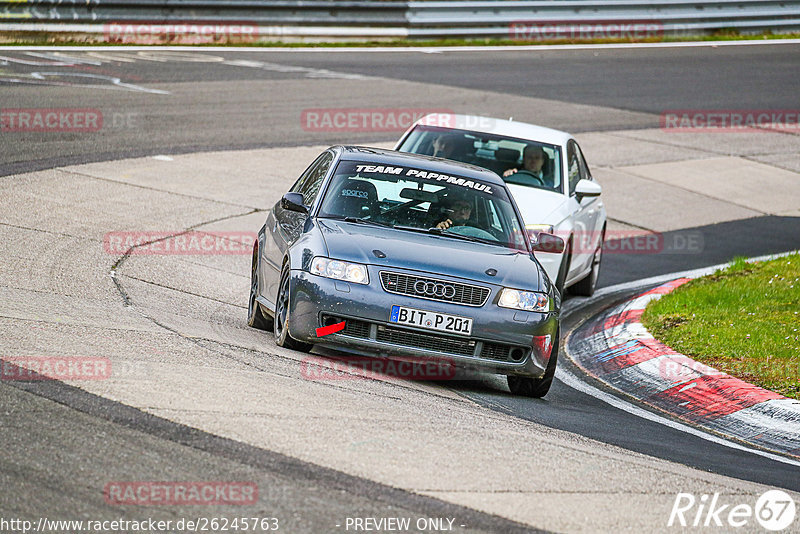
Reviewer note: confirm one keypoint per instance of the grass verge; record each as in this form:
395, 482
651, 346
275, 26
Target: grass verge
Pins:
743, 320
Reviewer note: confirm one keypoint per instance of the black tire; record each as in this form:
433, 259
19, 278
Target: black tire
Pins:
564, 269
586, 286
280, 324
536, 387
255, 317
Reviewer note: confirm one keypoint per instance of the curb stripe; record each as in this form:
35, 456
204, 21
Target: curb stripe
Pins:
616, 348
771, 424
711, 397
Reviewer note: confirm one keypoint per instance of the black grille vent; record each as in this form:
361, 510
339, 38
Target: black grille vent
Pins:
405, 284
352, 327
356, 328
497, 351
435, 342
494, 351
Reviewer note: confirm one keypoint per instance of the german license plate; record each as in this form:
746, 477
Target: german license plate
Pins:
452, 324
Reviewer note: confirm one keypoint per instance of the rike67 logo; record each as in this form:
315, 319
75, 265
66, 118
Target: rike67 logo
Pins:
774, 510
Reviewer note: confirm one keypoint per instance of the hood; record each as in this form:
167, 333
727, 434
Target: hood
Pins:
430, 253
538, 206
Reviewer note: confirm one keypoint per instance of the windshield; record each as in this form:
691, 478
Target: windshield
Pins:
414, 199
518, 161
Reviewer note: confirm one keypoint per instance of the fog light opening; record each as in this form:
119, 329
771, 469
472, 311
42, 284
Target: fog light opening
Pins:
330, 320
517, 354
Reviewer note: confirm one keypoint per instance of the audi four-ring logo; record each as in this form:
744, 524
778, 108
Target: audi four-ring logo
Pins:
433, 289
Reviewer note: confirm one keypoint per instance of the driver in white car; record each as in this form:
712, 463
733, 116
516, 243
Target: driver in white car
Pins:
533, 158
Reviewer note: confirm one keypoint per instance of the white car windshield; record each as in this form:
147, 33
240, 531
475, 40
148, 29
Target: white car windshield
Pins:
518, 161
415, 199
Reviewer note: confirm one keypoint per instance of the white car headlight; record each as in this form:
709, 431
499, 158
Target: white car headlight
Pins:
524, 300
340, 270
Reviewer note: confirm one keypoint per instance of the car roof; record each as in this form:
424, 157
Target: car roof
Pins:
381, 156
508, 128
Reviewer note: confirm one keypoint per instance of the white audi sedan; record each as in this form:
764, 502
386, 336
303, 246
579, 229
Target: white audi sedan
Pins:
547, 175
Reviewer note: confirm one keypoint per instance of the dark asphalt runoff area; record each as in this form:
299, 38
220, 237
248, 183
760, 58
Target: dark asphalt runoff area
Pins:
646, 80
86, 438
237, 106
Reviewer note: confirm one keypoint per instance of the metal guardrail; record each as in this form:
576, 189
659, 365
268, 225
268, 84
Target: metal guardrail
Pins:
412, 18
323, 12
497, 18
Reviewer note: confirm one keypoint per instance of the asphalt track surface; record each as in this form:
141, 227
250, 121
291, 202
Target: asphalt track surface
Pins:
232, 107
225, 111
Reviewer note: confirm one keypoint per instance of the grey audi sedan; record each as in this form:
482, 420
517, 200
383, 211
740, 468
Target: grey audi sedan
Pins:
393, 255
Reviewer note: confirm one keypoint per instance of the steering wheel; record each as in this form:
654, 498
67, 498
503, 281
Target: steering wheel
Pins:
529, 173
471, 231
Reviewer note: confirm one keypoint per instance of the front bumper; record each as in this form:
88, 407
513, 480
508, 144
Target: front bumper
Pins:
501, 341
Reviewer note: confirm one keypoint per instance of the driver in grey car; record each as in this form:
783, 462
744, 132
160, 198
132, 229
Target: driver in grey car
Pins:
533, 158
460, 213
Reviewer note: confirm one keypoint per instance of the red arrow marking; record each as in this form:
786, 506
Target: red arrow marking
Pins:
332, 329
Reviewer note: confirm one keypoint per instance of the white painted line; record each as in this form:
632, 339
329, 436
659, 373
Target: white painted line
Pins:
575, 383
422, 49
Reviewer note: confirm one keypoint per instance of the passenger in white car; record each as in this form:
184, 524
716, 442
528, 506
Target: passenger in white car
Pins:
445, 146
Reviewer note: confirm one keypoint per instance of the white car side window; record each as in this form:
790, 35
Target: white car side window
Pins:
573, 166
584, 168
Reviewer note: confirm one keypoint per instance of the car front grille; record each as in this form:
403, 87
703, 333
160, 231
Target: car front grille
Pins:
432, 341
355, 328
434, 289
420, 340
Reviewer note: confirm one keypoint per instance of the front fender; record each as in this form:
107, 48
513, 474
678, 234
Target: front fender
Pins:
309, 244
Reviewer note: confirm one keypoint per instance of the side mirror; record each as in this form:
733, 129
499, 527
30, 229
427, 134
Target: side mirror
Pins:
548, 243
587, 188
294, 202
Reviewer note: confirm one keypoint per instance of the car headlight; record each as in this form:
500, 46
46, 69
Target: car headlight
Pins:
340, 270
524, 300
